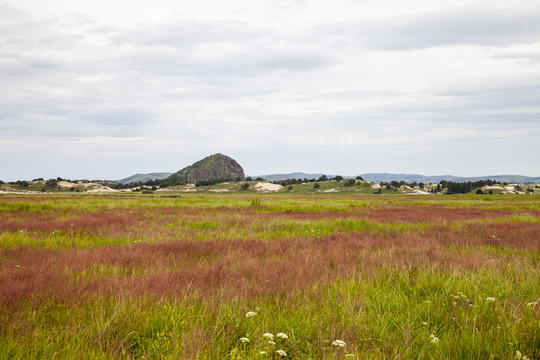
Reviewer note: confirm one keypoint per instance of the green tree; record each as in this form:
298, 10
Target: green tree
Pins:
245, 186
51, 183
316, 186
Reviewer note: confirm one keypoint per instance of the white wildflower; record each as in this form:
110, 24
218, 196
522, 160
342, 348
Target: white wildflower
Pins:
282, 335
271, 343
339, 343
433, 339
517, 355
244, 340
268, 336
251, 314
492, 299
281, 352
424, 323
262, 352
349, 355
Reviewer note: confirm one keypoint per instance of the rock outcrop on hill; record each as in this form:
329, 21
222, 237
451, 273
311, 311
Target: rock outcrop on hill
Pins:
217, 167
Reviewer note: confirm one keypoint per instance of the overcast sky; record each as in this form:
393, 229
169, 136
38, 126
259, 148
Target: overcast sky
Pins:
104, 89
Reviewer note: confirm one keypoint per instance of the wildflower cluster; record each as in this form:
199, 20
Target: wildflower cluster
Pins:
433, 339
251, 314
281, 352
520, 356
339, 343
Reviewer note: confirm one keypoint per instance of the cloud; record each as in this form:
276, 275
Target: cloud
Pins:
461, 26
336, 88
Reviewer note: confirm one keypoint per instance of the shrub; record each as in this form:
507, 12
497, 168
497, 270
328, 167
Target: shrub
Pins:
316, 186
350, 182
245, 186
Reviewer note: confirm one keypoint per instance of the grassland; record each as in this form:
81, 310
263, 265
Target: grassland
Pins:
211, 276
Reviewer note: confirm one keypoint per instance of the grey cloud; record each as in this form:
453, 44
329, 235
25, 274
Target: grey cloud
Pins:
170, 49
458, 27
187, 34
531, 58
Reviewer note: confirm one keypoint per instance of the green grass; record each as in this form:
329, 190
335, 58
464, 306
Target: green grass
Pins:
392, 314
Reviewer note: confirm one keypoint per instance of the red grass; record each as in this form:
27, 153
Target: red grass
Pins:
233, 268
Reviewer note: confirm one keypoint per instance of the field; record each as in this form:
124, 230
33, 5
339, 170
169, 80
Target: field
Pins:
220, 276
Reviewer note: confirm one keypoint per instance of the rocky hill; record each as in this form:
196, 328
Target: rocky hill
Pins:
212, 168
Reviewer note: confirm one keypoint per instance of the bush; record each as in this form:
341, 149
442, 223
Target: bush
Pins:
316, 186
51, 183
350, 182
244, 186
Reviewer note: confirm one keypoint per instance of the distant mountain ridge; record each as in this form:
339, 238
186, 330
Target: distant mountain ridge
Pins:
296, 175
435, 179
145, 177
409, 178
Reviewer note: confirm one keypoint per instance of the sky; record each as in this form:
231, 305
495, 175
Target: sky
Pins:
105, 89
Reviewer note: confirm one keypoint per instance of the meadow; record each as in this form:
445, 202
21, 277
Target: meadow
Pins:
275, 276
